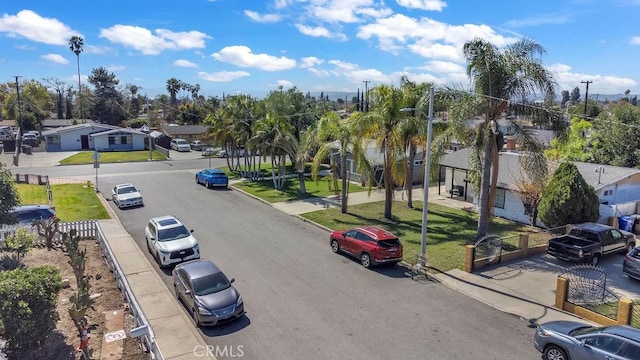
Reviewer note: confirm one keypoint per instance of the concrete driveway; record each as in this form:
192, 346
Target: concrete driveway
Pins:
536, 277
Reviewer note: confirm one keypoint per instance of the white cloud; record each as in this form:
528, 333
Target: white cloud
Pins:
99, 50
431, 5
284, 83
29, 25
184, 63
55, 58
356, 75
310, 61
635, 40
222, 76
242, 56
317, 31
346, 11
145, 41
262, 18
319, 72
602, 84
444, 67
437, 51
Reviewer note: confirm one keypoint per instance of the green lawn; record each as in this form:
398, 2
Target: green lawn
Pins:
72, 201
291, 190
448, 230
85, 157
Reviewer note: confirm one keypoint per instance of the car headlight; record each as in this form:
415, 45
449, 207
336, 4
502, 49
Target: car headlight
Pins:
239, 301
543, 333
203, 311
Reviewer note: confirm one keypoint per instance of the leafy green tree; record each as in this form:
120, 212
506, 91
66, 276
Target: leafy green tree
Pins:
593, 109
575, 94
575, 147
28, 306
35, 104
76, 45
616, 137
8, 196
108, 107
498, 76
568, 199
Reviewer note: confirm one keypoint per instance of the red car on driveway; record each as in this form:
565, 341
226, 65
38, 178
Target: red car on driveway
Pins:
372, 245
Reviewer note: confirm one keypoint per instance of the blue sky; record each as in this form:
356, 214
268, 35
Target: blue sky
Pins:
254, 46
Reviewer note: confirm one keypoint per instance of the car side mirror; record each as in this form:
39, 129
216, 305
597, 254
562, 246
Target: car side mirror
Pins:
232, 280
152, 238
187, 292
191, 231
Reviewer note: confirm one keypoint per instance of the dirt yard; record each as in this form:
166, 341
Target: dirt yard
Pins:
63, 343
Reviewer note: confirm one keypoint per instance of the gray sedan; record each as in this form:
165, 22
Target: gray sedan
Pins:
565, 340
207, 293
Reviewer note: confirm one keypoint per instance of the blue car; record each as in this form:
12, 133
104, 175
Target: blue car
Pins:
212, 178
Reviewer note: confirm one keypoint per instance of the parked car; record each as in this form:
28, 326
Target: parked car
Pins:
180, 145
126, 195
371, 245
28, 214
572, 340
589, 242
30, 139
207, 293
197, 145
169, 241
239, 152
208, 152
631, 264
212, 177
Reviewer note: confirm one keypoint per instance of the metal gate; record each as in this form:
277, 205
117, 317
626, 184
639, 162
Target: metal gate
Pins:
488, 248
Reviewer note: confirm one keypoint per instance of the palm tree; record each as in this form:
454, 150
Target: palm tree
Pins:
275, 136
76, 44
300, 153
499, 76
381, 124
333, 133
173, 86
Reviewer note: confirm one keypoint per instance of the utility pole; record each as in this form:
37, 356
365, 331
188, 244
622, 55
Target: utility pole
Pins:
149, 125
586, 95
20, 126
366, 95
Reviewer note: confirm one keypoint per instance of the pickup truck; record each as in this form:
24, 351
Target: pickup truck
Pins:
589, 242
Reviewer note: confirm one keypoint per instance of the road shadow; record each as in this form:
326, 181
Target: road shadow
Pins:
226, 328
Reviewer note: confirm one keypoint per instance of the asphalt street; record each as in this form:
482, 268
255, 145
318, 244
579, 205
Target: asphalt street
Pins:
303, 301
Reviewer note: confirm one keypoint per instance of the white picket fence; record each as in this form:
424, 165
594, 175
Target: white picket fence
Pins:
86, 229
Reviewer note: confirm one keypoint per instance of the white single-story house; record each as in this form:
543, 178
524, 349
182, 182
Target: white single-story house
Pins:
85, 137
617, 187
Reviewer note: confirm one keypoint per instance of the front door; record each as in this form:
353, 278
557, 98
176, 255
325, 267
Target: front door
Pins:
84, 142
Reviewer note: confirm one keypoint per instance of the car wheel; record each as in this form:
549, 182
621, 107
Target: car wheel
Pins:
197, 182
554, 352
365, 260
595, 260
206, 184
630, 247
335, 247
194, 312
148, 247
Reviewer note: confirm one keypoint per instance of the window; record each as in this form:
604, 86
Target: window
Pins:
500, 195
123, 139
112, 140
608, 192
53, 140
605, 343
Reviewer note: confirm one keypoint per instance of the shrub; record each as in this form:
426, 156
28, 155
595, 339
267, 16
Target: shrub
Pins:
28, 305
568, 199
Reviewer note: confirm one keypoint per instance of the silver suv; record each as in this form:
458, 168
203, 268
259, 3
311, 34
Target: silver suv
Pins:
169, 241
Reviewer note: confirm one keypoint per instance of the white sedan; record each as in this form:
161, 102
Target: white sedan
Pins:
126, 195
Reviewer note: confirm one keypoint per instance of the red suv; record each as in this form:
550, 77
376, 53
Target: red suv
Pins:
370, 244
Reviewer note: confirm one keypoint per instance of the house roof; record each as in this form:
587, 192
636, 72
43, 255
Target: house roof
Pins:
185, 130
99, 127
510, 169
54, 123
117, 131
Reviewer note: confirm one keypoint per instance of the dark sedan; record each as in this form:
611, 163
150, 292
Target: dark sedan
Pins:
207, 293
212, 178
566, 340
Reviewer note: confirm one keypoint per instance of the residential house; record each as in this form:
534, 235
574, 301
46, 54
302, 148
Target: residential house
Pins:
85, 137
617, 187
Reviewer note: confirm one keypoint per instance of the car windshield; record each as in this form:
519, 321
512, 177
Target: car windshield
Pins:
182, 142
210, 284
127, 190
585, 330
173, 233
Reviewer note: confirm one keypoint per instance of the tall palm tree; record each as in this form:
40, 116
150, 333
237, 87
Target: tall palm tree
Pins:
331, 131
173, 87
275, 136
499, 76
76, 44
381, 125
